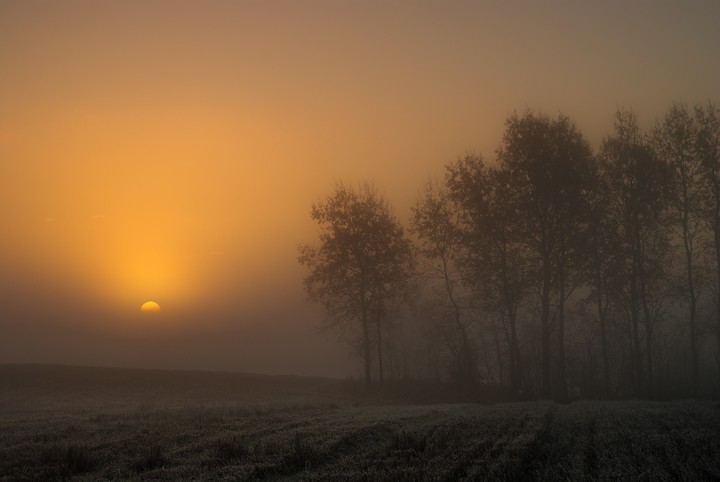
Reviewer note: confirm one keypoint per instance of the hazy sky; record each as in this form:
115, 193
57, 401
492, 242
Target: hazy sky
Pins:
171, 150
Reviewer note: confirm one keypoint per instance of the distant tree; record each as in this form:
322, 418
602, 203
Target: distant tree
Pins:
436, 225
361, 264
708, 150
600, 258
639, 184
496, 260
674, 139
548, 161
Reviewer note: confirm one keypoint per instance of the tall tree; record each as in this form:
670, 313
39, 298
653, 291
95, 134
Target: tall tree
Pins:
548, 161
638, 183
674, 141
361, 263
436, 225
496, 257
601, 262
708, 148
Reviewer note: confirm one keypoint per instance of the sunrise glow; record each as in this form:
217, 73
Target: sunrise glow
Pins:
359, 240
150, 307
172, 150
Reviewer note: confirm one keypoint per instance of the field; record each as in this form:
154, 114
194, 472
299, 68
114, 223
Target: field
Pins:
93, 424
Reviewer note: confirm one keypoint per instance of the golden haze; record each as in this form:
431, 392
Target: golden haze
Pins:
171, 150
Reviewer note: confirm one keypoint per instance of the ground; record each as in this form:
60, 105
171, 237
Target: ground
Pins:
94, 424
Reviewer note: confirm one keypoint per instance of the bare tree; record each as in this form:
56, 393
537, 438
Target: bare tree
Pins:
361, 264
708, 149
638, 183
496, 256
601, 263
548, 161
435, 223
674, 141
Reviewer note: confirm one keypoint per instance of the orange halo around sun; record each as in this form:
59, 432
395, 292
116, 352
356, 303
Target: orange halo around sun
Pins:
150, 307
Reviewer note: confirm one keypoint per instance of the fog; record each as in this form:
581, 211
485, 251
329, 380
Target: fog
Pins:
171, 151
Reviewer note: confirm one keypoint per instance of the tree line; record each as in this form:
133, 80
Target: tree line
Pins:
555, 270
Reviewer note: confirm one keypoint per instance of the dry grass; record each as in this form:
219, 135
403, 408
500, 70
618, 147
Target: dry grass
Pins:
195, 430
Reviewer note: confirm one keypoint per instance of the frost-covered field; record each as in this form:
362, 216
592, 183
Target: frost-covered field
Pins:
126, 425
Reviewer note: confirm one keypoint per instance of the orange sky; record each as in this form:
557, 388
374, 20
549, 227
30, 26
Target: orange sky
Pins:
170, 150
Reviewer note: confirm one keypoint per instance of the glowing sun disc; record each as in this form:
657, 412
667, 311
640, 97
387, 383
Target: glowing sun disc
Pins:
150, 307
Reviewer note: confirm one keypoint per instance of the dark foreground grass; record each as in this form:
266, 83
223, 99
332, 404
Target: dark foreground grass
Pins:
301, 438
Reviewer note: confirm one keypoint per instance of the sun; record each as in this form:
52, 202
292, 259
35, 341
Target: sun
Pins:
150, 307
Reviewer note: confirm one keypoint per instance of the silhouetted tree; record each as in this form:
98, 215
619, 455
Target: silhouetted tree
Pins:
540, 235
361, 264
496, 257
435, 223
601, 261
708, 149
638, 183
674, 139
548, 161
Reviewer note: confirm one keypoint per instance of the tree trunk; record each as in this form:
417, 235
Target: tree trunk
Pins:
380, 315
649, 325
694, 344
649, 341
562, 390
717, 267
515, 374
366, 351
634, 315
545, 335
366, 344
602, 317
692, 296
500, 357
509, 298
380, 357
466, 361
